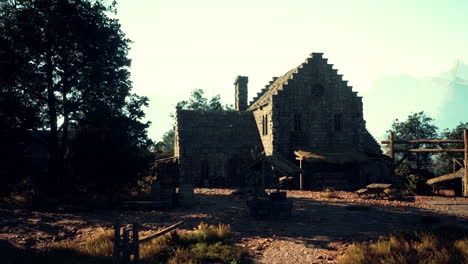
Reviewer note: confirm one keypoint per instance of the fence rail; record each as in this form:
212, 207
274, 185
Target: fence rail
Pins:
124, 247
392, 152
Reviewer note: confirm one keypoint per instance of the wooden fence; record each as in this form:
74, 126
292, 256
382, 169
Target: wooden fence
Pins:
392, 152
125, 245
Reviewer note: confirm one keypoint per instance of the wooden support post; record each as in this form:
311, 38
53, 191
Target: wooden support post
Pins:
301, 177
392, 153
116, 255
125, 247
465, 175
136, 247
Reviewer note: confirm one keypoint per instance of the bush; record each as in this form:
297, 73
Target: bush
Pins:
439, 246
416, 184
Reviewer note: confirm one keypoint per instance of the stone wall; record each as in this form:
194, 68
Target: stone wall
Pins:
212, 146
312, 106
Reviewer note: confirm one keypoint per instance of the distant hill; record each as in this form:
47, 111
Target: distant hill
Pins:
444, 97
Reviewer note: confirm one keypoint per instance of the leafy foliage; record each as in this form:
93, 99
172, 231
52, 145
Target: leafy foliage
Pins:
64, 64
444, 162
416, 126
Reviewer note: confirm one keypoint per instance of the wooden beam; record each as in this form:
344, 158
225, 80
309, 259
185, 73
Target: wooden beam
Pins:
422, 141
430, 150
465, 175
453, 157
301, 177
402, 159
162, 232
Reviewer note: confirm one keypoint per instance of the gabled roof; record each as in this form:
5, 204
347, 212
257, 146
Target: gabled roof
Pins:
277, 83
274, 85
200, 131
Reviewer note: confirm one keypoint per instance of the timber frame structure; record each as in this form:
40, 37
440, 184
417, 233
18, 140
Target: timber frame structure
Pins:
392, 152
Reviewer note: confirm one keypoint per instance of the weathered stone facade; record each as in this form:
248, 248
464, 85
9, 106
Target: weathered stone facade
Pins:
310, 107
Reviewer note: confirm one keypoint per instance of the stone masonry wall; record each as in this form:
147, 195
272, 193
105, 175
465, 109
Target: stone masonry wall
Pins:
213, 145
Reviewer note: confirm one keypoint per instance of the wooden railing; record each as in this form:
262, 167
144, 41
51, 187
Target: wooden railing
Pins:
392, 152
124, 248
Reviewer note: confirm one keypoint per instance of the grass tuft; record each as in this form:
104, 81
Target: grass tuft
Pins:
438, 246
329, 193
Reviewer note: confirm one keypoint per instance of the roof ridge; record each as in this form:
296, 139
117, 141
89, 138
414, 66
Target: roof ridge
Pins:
278, 83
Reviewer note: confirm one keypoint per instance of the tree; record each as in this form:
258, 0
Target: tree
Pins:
417, 126
66, 61
444, 161
197, 101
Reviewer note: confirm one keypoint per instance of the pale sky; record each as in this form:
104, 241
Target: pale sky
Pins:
389, 51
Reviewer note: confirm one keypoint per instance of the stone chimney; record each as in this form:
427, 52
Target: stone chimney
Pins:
241, 93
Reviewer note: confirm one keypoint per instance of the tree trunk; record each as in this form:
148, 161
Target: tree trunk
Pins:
53, 135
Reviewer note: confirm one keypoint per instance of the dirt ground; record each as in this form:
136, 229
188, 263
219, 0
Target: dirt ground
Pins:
319, 230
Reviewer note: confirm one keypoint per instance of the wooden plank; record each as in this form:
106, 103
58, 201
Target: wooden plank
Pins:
162, 232
430, 150
362, 191
379, 185
465, 175
422, 141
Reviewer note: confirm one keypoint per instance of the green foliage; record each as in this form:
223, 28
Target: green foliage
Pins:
65, 66
416, 184
439, 246
417, 126
198, 101
444, 163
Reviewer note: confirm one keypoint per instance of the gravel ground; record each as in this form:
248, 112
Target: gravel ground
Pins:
318, 231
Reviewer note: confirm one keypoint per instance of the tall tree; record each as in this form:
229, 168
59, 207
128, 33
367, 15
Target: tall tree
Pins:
416, 126
67, 60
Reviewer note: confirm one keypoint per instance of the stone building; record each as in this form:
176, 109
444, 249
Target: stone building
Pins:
309, 117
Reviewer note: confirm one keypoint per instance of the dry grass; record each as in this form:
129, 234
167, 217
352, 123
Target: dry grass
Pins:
440, 246
207, 243
329, 194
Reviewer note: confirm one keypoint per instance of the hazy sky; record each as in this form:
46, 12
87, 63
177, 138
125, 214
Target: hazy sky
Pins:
389, 51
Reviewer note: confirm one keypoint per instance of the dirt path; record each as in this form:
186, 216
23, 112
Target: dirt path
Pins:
318, 231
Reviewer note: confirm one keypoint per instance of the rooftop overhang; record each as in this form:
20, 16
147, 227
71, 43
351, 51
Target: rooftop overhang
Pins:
341, 157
